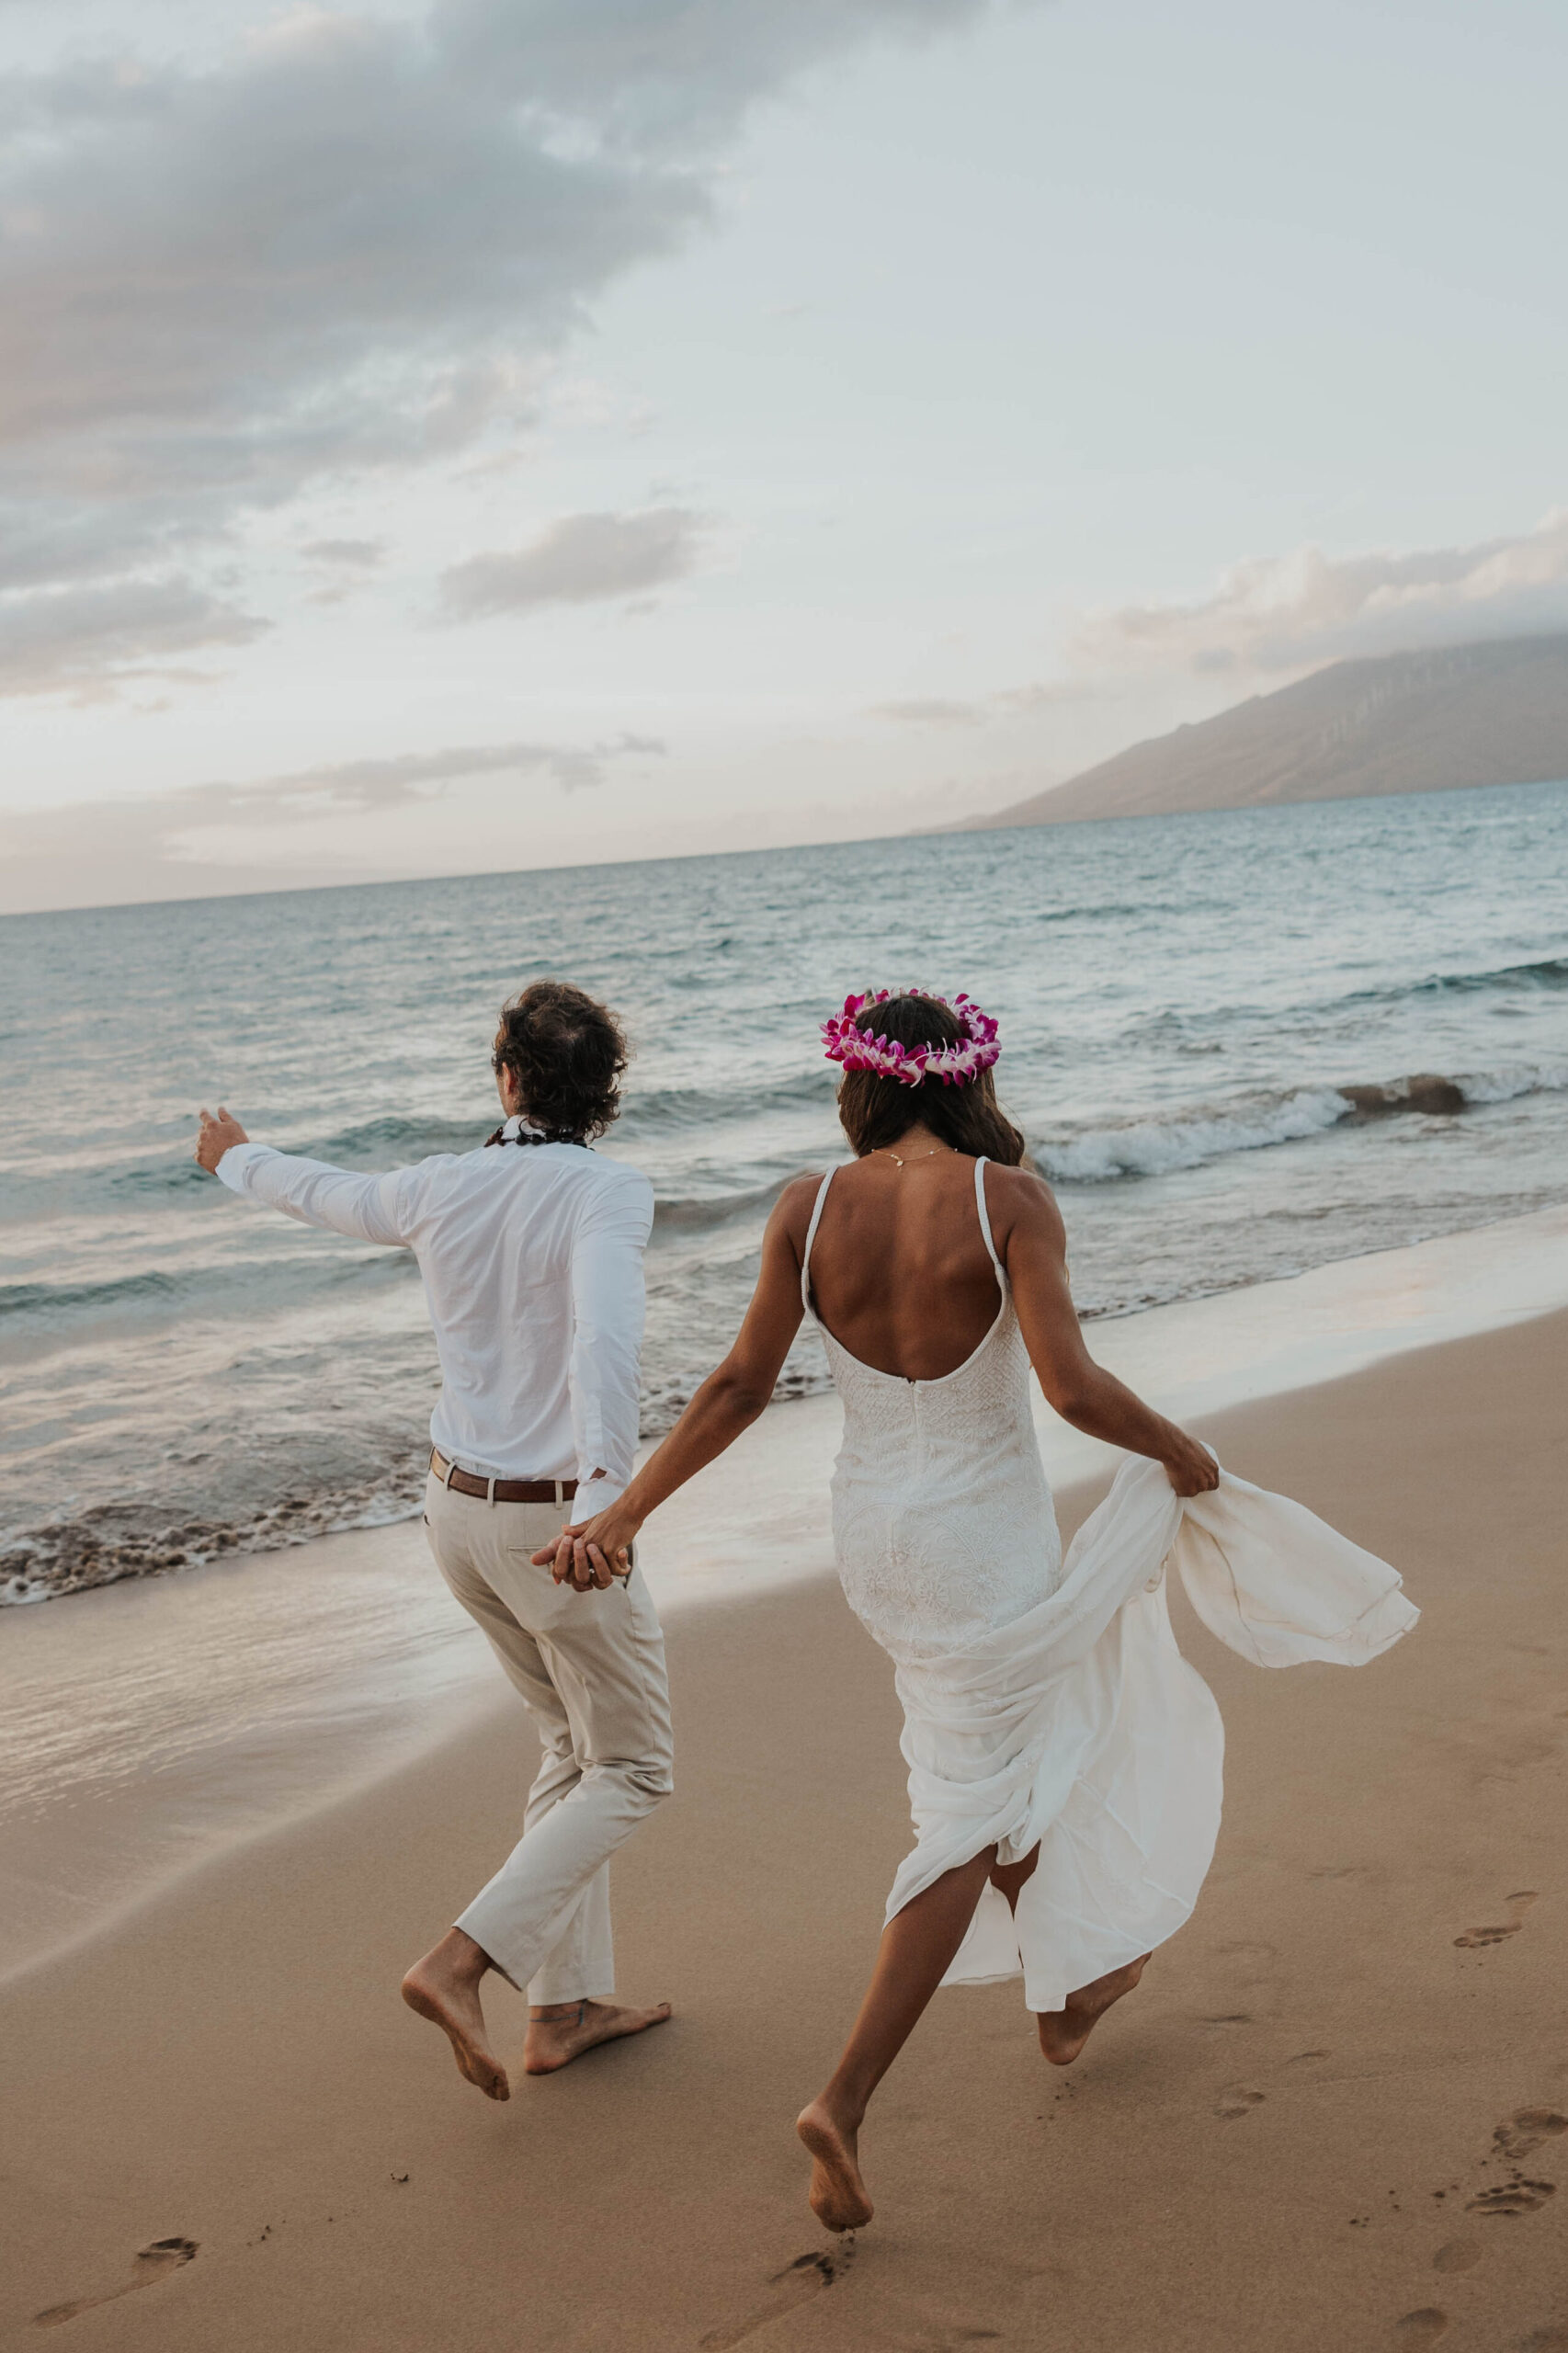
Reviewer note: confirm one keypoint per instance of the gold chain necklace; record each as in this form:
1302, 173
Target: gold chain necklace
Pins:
893, 1156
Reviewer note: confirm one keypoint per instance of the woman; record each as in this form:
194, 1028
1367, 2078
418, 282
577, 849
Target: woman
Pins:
1064, 1759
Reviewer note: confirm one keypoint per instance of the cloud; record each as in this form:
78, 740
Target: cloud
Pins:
362, 788
929, 712
209, 837
339, 788
343, 242
91, 640
1292, 612
664, 76
580, 559
354, 555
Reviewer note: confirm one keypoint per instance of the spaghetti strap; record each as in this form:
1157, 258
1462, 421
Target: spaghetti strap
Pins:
806, 1252
985, 1225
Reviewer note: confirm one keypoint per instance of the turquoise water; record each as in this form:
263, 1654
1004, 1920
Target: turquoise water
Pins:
1184, 1002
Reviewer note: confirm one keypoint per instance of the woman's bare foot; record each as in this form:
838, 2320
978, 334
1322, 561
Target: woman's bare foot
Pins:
444, 1988
1063, 2034
837, 2194
566, 2030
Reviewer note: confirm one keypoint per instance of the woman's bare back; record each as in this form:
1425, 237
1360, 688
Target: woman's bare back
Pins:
901, 1274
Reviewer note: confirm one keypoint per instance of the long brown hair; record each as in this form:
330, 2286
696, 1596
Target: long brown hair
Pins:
875, 1111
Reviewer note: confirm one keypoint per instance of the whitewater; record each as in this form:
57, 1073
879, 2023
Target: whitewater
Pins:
1241, 1044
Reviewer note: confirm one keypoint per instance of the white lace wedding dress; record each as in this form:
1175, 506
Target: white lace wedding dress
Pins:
1045, 1700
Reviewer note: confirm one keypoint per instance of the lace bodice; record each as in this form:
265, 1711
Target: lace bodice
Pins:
943, 1521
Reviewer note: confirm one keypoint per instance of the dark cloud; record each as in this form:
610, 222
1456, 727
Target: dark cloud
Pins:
580, 559
338, 249
354, 242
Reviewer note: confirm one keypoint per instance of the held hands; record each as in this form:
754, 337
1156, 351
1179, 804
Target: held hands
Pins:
217, 1137
1189, 1466
592, 1553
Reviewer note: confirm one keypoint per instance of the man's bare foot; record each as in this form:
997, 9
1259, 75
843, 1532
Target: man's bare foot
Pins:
444, 1988
837, 2194
566, 2030
1063, 2034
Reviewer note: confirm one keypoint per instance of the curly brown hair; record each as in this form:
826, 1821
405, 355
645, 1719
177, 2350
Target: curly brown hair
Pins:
566, 1053
875, 1111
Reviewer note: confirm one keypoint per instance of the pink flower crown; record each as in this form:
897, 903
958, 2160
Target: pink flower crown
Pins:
845, 1041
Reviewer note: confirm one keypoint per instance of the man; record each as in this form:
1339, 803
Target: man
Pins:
531, 1253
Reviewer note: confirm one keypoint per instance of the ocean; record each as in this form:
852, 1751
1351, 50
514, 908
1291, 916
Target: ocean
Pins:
1209, 1026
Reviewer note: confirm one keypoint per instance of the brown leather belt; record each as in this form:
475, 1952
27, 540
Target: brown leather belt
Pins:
501, 1491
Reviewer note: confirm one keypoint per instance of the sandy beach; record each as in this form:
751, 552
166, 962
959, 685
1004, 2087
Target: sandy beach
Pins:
1334, 2115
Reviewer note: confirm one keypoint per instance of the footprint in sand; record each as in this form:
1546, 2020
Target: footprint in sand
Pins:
806, 2276
151, 2263
1237, 2099
1526, 2130
1517, 2135
1424, 2327
1512, 2197
1517, 1905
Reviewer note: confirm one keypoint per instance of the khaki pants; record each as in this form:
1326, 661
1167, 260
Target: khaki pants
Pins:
590, 1668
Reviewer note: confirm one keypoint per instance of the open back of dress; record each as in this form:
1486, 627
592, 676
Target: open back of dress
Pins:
942, 1517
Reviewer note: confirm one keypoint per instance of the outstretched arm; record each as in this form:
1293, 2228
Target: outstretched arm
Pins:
1034, 1249
370, 1208
728, 1402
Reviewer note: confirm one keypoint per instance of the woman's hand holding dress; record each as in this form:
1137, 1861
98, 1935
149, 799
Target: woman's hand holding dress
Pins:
1189, 1466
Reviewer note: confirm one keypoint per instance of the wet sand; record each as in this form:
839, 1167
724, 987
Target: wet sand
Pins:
1334, 2115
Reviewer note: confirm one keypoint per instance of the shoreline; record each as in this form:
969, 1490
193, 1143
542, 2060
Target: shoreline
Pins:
1336, 2112
151, 1726
1333, 1316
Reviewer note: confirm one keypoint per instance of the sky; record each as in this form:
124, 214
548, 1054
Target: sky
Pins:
497, 434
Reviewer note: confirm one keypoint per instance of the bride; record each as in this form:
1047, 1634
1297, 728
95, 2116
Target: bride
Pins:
1064, 1759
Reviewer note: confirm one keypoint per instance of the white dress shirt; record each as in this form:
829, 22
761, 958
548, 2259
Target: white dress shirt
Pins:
532, 1261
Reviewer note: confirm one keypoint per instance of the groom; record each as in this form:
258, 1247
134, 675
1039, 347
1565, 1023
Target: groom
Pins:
531, 1254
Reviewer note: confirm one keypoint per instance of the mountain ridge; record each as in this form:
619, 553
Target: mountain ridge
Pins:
1436, 720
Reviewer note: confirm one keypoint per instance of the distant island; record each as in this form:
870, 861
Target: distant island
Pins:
1436, 721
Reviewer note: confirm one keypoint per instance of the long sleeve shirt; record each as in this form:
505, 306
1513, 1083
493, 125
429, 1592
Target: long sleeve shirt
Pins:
531, 1258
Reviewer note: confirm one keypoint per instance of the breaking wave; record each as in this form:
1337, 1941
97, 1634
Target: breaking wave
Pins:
1190, 1139
1155, 1147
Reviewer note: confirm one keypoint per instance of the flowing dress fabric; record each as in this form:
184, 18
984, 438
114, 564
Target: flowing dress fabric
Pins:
1045, 1700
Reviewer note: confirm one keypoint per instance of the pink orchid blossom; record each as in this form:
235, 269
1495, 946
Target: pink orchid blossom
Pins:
845, 1041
